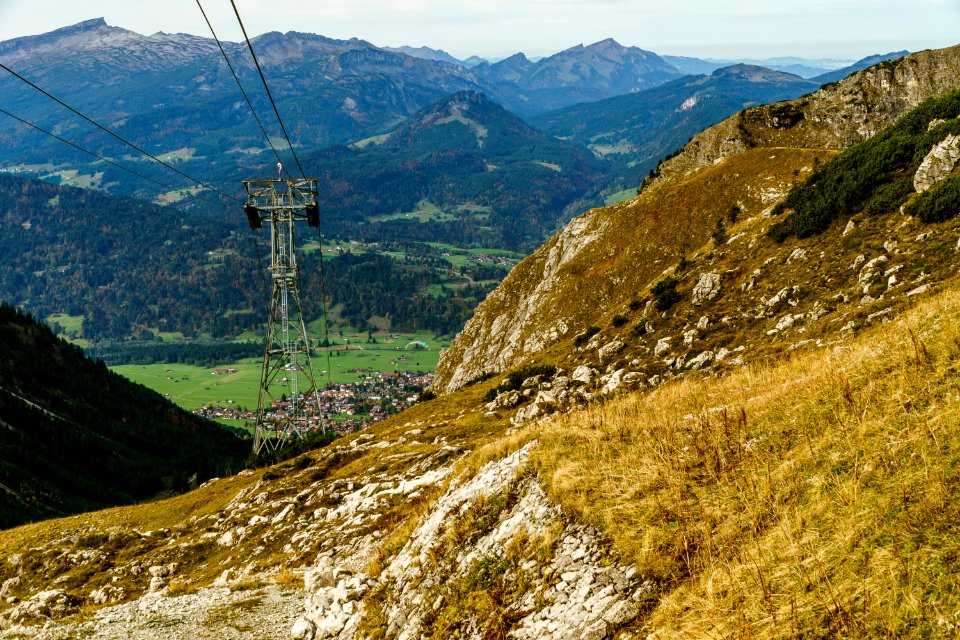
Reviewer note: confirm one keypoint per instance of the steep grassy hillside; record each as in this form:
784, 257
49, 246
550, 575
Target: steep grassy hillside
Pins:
701, 231
77, 437
808, 496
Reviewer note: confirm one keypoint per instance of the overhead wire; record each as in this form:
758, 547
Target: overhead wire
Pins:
239, 84
102, 158
266, 136
267, 88
116, 135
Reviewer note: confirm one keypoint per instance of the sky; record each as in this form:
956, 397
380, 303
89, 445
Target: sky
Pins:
816, 29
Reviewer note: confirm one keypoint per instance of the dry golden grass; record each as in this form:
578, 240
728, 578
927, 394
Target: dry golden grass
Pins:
815, 496
144, 517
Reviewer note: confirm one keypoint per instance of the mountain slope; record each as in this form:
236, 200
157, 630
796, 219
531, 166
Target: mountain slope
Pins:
124, 269
426, 53
79, 438
834, 117
639, 129
173, 95
123, 265
775, 455
497, 180
606, 260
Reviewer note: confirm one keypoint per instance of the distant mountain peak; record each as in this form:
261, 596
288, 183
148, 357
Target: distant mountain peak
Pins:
755, 73
517, 57
455, 104
83, 35
86, 25
607, 44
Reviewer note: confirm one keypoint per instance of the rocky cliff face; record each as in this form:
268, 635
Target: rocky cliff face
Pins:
608, 258
835, 116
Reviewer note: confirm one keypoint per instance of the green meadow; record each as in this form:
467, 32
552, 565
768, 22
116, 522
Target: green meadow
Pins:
192, 387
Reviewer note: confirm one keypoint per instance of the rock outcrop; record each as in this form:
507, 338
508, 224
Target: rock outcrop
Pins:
603, 257
938, 164
835, 116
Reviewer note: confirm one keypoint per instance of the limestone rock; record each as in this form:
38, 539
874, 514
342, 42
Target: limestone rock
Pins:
938, 164
505, 400
303, 629
663, 345
609, 350
700, 360
613, 382
708, 288
583, 374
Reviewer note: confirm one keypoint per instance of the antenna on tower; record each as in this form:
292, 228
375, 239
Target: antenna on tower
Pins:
289, 402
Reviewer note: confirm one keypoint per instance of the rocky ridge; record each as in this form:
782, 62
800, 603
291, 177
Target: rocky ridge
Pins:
835, 116
404, 531
609, 259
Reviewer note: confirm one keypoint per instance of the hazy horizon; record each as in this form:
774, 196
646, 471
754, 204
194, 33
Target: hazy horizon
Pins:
846, 29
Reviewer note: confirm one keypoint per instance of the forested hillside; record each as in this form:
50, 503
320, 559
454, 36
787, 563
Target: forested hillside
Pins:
77, 437
130, 269
500, 182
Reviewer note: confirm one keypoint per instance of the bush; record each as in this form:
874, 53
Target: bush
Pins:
939, 204
639, 329
635, 304
869, 176
719, 234
514, 379
734, 213
665, 293
619, 320
889, 197
584, 337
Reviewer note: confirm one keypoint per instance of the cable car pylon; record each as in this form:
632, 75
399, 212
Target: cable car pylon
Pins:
289, 402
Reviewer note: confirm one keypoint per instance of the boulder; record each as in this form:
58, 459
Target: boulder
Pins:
583, 374
303, 629
700, 360
938, 164
707, 288
609, 350
663, 345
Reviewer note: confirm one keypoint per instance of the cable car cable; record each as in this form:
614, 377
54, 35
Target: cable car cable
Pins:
116, 135
267, 87
239, 85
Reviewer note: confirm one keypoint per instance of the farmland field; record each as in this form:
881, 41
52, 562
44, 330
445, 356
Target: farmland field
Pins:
192, 387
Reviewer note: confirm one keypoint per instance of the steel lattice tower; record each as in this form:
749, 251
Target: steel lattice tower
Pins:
287, 371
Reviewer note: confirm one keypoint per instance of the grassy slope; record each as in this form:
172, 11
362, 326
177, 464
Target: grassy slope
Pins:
817, 495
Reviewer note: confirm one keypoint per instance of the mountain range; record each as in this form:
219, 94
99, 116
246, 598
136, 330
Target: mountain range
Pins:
173, 95
501, 182
637, 130
413, 135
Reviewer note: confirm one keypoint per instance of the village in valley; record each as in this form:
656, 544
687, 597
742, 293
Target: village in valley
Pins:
344, 406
